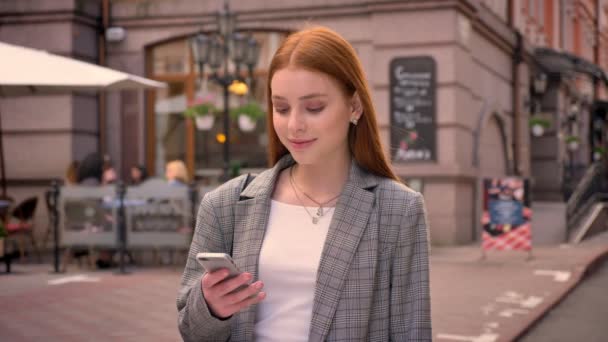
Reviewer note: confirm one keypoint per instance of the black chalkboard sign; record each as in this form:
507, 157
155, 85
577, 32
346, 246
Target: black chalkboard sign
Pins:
413, 109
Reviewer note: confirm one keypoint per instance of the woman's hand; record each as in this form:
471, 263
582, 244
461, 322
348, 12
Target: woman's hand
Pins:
222, 299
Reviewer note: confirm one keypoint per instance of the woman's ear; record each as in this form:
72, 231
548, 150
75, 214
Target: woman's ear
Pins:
356, 107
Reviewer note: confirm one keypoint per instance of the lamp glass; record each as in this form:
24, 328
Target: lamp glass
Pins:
240, 48
540, 83
253, 52
200, 48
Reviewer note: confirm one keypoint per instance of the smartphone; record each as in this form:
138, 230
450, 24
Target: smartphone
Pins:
215, 261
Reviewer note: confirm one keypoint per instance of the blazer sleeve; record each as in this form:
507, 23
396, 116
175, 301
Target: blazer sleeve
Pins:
195, 322
410, 293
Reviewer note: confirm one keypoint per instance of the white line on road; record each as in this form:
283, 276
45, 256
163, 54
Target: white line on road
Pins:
559, 276
510, 312
73, 279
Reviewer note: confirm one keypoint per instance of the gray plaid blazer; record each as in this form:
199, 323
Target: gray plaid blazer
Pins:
373, 277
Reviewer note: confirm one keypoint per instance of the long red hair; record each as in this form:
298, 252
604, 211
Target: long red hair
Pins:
323, 50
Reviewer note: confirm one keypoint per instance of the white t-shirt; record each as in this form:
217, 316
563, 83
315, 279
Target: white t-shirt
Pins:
288, 266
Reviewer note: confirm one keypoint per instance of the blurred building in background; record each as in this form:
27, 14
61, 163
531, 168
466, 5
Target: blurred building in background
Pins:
458, 86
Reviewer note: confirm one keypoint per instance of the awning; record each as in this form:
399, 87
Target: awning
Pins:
26, 71
554, 61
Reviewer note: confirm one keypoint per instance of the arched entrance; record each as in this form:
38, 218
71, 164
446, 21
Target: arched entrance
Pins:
170, 136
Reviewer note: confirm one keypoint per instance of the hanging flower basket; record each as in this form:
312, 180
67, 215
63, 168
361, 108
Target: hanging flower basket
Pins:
248, 115
246, 124
572, 142
599, 152
204, 123
203, 115
538, 125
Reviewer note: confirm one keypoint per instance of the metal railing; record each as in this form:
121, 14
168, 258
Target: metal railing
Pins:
592, 188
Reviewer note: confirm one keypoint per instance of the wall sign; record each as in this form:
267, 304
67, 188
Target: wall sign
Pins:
413, 109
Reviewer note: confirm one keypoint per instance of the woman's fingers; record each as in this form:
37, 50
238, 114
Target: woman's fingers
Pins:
226, 297
213, 278
249, 301
244, 294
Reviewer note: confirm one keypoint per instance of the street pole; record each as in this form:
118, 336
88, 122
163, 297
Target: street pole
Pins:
122, 228
55, 223
226, 83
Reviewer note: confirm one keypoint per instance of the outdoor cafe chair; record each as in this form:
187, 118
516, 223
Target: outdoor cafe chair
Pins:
21, 225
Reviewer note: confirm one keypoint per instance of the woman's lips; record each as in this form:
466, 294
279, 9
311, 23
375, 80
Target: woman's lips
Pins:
301, 144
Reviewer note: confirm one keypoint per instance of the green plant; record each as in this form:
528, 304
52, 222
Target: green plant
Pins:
201, 109
235, 168
600, 149
571, 139
252, 109
535, 120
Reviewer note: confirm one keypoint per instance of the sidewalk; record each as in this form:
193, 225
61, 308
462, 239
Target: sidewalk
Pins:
499, 298
472, 300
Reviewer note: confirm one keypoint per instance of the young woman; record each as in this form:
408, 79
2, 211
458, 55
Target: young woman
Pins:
177, 173
332, 246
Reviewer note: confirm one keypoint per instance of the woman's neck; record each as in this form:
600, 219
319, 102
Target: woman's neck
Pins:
324, 180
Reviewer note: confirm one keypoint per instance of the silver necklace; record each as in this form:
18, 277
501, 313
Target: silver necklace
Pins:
320, 212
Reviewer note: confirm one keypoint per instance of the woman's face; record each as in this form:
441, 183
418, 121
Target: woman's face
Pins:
170, 173
311, 115
135, 174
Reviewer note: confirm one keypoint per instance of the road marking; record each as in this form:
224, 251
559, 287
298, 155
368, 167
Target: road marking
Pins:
493, 325
559, 276
79, 278
480, 338
510, 312
512, 297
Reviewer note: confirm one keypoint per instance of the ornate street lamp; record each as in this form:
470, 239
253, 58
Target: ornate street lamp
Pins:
539, 86
216, 51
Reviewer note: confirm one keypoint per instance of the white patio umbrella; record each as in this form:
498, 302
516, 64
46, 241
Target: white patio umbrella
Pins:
26, 71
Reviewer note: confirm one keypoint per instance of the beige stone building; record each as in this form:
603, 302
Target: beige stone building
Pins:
474, 123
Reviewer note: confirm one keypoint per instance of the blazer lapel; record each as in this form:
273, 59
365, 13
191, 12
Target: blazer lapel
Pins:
250, 220
345, 231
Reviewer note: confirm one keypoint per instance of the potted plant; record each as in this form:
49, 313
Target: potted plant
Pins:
572, 142
248, 115
538, 125
203, 114
599, 152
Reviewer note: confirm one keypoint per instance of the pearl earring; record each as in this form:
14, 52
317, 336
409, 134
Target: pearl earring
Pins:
354, 121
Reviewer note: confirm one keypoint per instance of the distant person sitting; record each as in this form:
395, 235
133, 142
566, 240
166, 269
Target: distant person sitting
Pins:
71, 173
109, 175
138, 174
176, 173
90, 170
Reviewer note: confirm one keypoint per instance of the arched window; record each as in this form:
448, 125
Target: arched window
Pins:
171, 136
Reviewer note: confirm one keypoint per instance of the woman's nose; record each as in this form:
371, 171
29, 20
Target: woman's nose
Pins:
296, 122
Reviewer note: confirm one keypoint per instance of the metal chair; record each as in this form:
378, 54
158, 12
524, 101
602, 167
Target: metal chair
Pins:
21, 225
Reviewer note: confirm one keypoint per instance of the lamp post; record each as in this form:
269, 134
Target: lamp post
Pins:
217, 50
539, 85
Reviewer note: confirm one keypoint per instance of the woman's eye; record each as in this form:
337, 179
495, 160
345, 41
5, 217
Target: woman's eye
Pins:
316, 109
281, 110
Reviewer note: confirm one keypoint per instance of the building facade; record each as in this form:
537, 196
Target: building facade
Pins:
480, 58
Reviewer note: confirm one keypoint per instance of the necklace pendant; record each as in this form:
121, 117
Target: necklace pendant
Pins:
315, 220
320, 211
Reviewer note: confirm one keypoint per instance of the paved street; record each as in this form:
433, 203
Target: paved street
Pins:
98, 306
580, 317
472, 300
